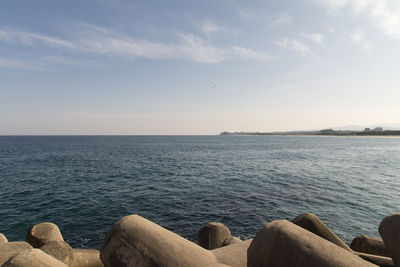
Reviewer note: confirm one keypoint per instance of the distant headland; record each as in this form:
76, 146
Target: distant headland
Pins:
377, 131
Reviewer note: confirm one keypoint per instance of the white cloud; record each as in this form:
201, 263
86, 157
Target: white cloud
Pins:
31, 38
294, 45
314, 37
280, 19
360, 39
272, 20
209, 26
103, 41
385, 13
22, 64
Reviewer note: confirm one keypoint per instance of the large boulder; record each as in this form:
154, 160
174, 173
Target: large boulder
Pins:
389, 230
213, 235
369, 245
60, 250
282, 243
234, 255
312, 223
3, 238
86, 258
10, 249
135, 241
43, 233
33, 258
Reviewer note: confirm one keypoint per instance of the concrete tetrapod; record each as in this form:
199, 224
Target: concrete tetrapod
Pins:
86, 258
59, 250
213, 235
42, 233
33, 258
135, 241
312, 223
3, 238
390, 233
370, 245
10, 249
234, 255
282, 243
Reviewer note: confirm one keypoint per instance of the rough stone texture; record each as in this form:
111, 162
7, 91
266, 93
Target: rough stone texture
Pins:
234, 255
135, 241
218, 265
33, 258
86, 258
369, 245
282, 243
390, 233
43, 233
213, 235
10, 249
60, 250
378, 260
3, 238
312, 223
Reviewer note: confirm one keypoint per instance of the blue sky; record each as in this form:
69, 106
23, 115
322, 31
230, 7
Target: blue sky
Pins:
197, 67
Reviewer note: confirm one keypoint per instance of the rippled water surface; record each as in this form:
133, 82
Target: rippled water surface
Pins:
86, 183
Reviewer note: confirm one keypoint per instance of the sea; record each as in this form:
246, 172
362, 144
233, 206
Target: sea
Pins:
85, 184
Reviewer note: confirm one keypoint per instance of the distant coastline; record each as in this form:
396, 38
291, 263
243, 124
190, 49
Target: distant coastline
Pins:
325, 132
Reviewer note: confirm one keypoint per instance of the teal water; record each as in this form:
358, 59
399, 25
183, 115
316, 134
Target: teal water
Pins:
85, 184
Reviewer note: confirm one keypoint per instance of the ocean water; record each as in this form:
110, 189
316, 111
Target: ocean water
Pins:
85, 184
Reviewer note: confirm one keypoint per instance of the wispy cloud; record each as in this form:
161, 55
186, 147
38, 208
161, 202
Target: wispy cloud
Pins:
360, 39
101, 41
271, 19
385, 13
31, 38
294, 45
314, 37
209, 26
280, 19
22, 64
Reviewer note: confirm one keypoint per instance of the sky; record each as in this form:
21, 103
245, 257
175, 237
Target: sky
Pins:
197, 67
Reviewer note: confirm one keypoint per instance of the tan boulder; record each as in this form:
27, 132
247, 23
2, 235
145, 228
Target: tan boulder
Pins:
282, 243
135, 241
86, 258
33, 258
43, 233
213, 235
369, 245
234, 255
3, 238
60, 250
312, 223
10, 249
390, 233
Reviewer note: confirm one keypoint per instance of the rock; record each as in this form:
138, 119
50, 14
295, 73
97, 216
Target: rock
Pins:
135, 241
10, 249
42, 233
60, 250
234, 255
369, 245
3, 238
375, 259
218, 265
33, 258
390, 233
86, 258
313, 224
282, 243
213, 235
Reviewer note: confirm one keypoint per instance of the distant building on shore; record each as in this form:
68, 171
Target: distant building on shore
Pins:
378, 129
366, 130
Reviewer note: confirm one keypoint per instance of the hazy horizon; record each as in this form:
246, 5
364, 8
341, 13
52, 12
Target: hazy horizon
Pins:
117, 67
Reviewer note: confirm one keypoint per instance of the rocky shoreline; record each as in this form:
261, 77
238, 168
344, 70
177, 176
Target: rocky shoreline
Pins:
135, 241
